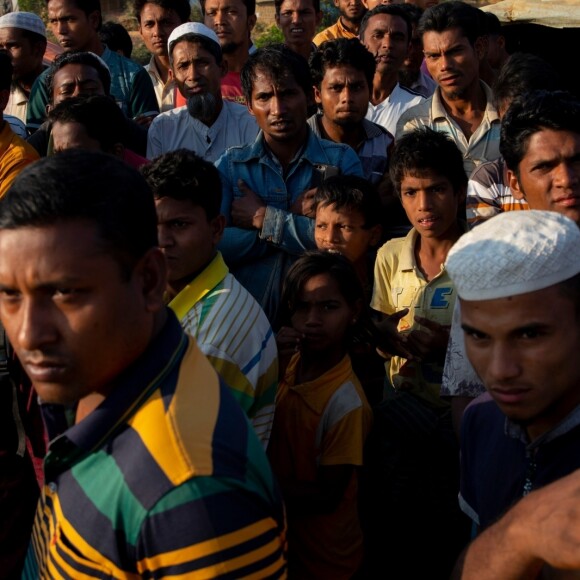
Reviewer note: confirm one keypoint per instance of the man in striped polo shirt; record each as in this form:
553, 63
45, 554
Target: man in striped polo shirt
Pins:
230, 327
161, 474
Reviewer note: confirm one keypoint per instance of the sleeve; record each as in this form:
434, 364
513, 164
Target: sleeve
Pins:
407, 122
382, 283
482, 203
10, 168
143, 100
154, 139
350, 164
36, 111
287, 231
210, 527
239, 246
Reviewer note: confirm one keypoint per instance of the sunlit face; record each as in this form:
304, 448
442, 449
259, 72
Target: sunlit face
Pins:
351, 10
74, 80
75, 319
230, 21
73, 29
155, 26
387, 38
344, 231
280, 107
430, 203
549, 173
452, 61
344, 95
186, 236
298, 21
195, 70
322, 315
26, 55
525, 349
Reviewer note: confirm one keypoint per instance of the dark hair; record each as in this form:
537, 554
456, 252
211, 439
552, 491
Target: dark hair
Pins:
453, 14
393, 10
423, 150
181, 7
278, 5
183, 175
353, 193
78, 57
91, 186
571, 289
277, 60
88, 7
116, 37
249, 4
413, 11
342, 52
5, 70
522, 73
214, 49
314, 263
101, 117
533, 112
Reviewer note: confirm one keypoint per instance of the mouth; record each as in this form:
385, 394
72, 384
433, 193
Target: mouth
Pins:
428, 221
568, 201
45, 371
512, 396
449, 80
196, 90
282, 125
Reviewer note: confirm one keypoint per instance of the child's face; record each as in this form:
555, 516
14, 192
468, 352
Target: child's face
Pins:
343, 232
430, 203
322, 315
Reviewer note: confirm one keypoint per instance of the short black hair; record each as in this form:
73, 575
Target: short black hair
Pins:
183, 175
423, 150
493, 25
278, 5
534, 112
101, 117
352, 193
393, 10
453, 14
6, 70
89, 186
88, 7
342, 52
78, 57
524, 72
249, 4
116, 37
413, 11
214, 49
181, 7
277, 60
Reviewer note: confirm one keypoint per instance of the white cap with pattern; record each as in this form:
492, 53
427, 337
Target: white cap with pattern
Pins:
192, 28
25, 21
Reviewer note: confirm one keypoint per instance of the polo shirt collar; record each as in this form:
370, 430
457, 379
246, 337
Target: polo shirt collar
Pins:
438, 110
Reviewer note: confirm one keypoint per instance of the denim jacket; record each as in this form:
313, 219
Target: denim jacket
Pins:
260, 259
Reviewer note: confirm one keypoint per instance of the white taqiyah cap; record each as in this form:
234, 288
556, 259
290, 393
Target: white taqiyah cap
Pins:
515, 253
25, 21
192, 28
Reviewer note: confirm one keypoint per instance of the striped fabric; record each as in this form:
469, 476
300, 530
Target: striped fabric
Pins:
164, 479
232, 330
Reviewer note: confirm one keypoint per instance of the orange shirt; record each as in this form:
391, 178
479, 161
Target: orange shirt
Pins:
15, 155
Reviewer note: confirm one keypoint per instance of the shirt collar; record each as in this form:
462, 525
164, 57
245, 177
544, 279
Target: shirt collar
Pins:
438, 110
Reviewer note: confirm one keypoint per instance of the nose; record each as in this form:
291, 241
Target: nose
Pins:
332, 234
277, 105
502, 365
312, 317
423, 200
61, 27
346, 95
165, 239
295, 18
36, 327
218, 17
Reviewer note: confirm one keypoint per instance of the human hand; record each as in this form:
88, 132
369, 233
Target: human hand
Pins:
388, 339
288, 342
144, 120
304, 203
249, 210
430, 345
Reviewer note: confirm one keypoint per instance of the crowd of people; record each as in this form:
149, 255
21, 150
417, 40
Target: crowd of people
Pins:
309, 310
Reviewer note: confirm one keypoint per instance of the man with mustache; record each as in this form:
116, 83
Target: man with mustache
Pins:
461, 105
208, 124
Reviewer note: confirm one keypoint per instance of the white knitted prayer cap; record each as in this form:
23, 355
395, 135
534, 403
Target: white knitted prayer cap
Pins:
192, 28
515, 253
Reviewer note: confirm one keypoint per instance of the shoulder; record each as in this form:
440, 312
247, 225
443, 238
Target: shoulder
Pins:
489, 173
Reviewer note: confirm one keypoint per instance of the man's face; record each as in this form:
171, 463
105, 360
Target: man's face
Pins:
351, 10
549, 173
72, 136
452, 61
230, 21
344, 95
279, 105
74, 80
186, 236
157, 23
75, 320
386, 38
370, 4
525, 349
73, 29
430, 203
26, 56
298, 21
343, 231
195, 70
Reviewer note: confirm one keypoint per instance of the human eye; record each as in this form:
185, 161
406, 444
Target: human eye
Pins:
408, 192
474, 335
321, 226
178, 224
329, 306
347, 228
9, 295
52, 21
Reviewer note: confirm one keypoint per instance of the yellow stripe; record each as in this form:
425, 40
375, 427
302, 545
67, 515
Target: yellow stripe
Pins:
271, 570
207, 548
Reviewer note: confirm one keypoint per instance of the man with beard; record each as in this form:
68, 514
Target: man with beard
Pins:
233, 22
342, 71
348, 23
207, 125
386, 32
461, 105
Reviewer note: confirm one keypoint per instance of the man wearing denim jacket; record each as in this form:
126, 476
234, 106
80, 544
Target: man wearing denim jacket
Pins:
268, 185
